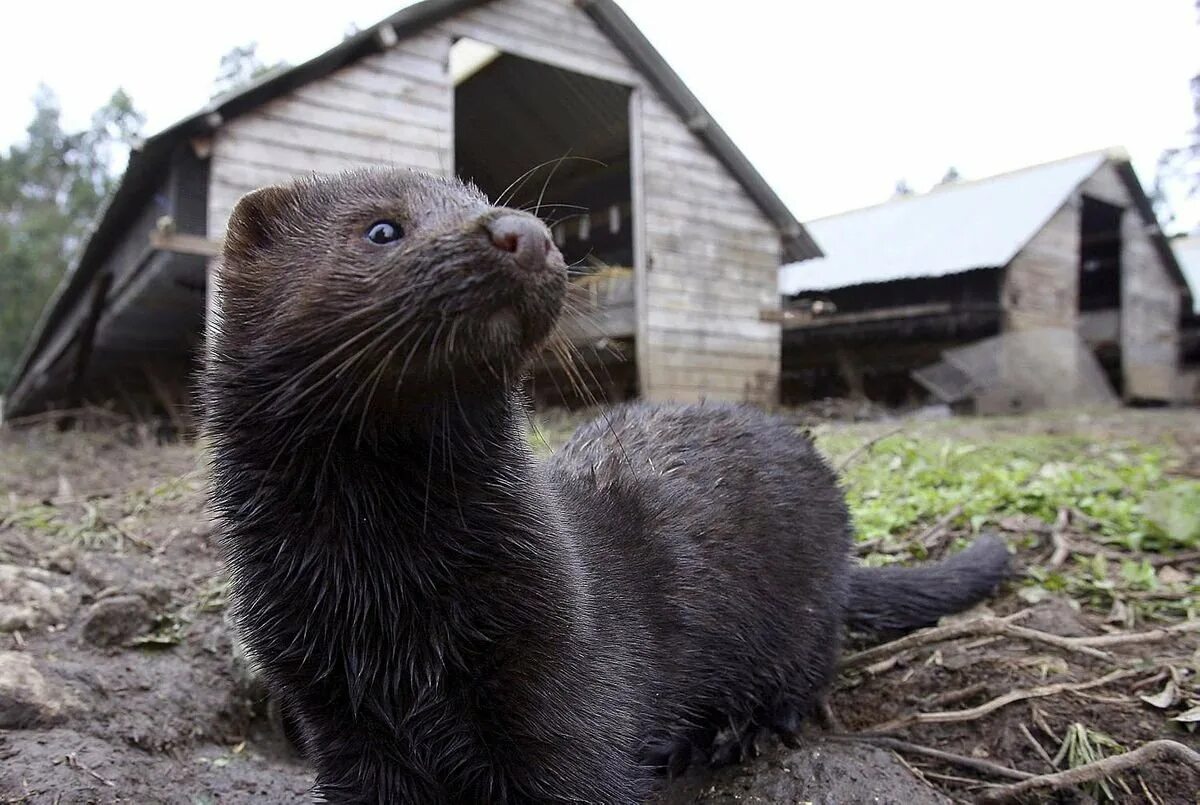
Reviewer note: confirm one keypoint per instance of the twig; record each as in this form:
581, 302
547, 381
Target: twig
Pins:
980, 627
1107, 767
853, 455
1125, 638
956, 696
1037, 746
923, 637
898, 745
987, 708
930, 535
1058, 538
1170, 559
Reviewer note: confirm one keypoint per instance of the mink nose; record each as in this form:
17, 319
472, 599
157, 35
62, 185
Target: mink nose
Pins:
524, 237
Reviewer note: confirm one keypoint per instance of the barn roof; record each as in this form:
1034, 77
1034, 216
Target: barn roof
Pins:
952, 228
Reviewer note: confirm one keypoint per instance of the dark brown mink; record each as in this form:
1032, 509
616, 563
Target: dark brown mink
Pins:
448, 619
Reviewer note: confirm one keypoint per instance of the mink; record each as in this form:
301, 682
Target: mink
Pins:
448, 618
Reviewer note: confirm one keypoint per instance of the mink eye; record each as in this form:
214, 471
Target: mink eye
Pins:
384, 232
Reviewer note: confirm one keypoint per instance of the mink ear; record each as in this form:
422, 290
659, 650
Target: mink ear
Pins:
255, 221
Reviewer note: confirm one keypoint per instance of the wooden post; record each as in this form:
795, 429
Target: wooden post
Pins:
83, 353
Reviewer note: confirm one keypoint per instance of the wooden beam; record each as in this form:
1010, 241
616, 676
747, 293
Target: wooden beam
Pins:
796, 320
83, 353
181, 243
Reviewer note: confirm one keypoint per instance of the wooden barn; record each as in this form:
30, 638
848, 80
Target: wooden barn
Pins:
1069, 245
678, 239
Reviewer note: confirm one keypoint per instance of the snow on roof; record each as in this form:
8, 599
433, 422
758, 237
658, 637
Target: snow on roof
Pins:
1187, 252
957, 227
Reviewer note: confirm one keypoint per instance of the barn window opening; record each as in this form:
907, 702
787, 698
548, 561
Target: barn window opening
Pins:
548, 140
1099, 256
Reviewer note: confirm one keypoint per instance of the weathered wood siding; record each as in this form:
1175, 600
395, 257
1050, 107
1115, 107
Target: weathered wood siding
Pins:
1150, 302
392, 108
711, 267
1041, 284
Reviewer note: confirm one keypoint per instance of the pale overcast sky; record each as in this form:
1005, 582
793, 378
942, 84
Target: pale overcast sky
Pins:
833, 100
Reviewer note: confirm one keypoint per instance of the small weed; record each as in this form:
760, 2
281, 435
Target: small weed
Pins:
1082, 746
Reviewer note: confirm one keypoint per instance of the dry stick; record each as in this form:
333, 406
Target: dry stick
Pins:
853, 455
1147, 753
1058, 537
897, 745
929, 535
1037, 746
980, 627
955, 716
1149, 636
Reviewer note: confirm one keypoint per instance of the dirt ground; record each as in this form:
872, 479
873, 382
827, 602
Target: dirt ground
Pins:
119, 683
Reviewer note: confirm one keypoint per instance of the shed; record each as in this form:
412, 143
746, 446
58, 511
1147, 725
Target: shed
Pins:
686, 306
1072, 245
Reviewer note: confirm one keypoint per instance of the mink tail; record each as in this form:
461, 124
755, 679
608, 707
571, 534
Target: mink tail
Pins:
888, 600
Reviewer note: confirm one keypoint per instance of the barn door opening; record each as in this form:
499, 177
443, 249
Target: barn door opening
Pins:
1100, 284
557, 143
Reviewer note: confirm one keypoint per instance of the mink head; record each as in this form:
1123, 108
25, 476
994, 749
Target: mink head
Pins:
394, 283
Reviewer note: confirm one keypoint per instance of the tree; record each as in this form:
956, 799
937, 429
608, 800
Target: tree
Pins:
951, 176
903, 188
1177, 177
241, 65
52, 186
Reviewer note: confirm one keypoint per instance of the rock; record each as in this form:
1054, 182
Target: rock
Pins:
30, 598
823, 773
115, 620
25, 699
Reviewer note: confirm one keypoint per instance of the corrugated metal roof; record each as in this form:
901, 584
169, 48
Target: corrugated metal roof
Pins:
977, 224
1187, 251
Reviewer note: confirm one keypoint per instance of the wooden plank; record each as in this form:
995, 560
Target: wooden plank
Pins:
427, 45
382, 107
408, 66
299, 115
346, 141
681, 237
431, 93
182, 243
304, 156
746, 328
695, 337
566, 28
637, 165
552, 53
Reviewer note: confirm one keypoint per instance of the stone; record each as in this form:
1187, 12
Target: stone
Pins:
30, 598
115, 620
820, 772
25, 698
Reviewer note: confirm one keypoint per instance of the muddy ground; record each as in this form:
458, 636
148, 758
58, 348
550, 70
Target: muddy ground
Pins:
119, 683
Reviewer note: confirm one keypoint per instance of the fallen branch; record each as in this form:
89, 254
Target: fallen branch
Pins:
897, 745
987, 708
1147, 753
931, 535
853, 455
923, 637
1037, 747
980, 627
1125, 638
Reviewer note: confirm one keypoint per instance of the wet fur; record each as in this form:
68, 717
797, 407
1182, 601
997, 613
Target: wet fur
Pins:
448, 619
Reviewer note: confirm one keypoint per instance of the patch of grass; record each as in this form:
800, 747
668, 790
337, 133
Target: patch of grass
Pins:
904, 482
